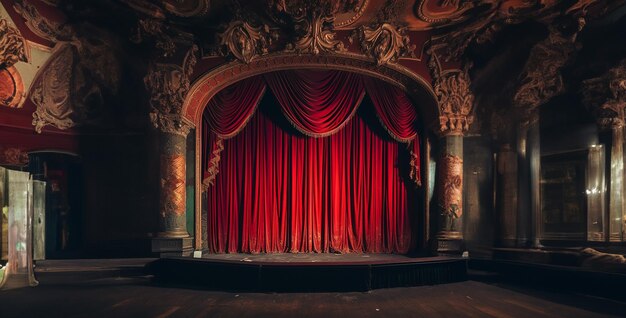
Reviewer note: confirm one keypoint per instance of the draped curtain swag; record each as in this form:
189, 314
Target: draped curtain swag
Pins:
338, 188
317, 103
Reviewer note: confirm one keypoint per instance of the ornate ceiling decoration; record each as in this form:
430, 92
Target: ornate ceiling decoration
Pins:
11, 88
454, 97
385, 43
70, 88
244, 41
12, 47
481, 20
51, 92
168, 85
187, 8
541, 78
40, 25
313, 25
605, 96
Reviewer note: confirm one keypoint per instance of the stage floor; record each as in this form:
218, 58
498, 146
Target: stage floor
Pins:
321, 258
307, 271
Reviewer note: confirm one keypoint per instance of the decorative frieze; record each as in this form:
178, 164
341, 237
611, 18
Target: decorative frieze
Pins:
385, 43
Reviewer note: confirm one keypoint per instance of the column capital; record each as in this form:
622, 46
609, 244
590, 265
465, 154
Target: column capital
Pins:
171, 123
168, 85
456, 102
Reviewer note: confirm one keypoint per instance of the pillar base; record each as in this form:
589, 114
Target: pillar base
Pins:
449, 242
172, 246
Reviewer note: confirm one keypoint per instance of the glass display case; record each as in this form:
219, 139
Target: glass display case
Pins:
21, 196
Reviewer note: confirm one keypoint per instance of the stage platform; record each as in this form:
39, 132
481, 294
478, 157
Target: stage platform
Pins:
306, 272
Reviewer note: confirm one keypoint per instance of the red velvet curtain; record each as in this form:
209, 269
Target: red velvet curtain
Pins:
317, 103
339, 189
399, 117
225, 115
280, 192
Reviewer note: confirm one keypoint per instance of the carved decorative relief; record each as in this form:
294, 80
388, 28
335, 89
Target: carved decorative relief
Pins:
168, 85
41, 26
448, 11
13, 156
245, 41
187, 8
541, 79
71, 86
454, 97
12, 48
173, 184
51, 91
451, 191
606, 97
314, 27
385, 43
212, 82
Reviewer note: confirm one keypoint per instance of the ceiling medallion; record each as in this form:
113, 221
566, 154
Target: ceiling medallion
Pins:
385, 43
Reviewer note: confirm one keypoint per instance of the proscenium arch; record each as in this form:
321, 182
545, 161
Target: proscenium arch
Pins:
209, 84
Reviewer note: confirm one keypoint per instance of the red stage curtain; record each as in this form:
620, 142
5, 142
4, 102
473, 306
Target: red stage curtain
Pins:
280, 192
399, 117
225, 115
317, 103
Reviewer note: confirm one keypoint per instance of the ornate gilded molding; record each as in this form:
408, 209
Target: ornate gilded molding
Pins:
454, 98
13, 156
244, 41
41, 26
51, 91
209, 84
385, 43
605, 96
455, 11
168, 85
187, 8
541, 78
12, 47
314, 30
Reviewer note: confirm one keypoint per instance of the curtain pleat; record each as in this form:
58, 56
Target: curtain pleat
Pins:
280, 192
336, 188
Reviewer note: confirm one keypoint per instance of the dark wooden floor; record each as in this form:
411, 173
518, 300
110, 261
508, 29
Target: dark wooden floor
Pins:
63, 293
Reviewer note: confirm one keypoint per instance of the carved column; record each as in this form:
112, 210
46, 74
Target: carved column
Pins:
455, 101
168, 85
606, 97
505, 177
540, 81
172, 171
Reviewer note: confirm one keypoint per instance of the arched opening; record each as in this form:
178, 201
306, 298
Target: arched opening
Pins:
415, 88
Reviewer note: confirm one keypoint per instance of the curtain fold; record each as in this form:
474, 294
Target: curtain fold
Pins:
399, 117
280, 192
317, 103
226, 114
338, 188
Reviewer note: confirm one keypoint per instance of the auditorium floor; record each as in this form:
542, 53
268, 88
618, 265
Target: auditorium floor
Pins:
76, 293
